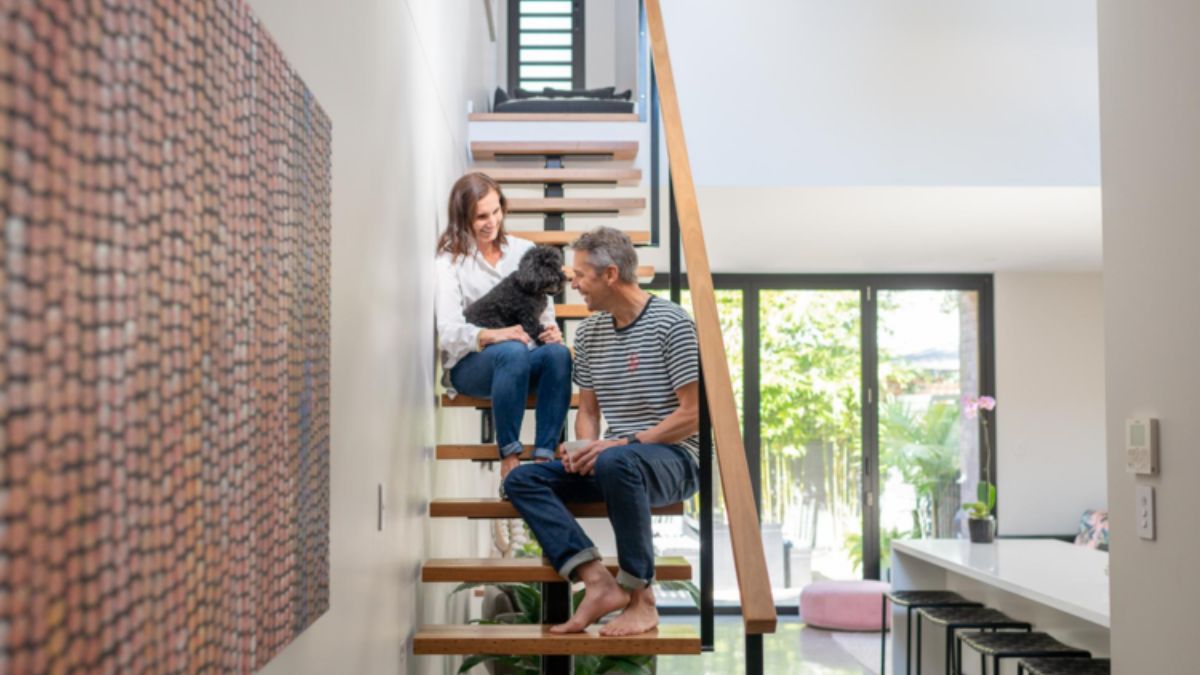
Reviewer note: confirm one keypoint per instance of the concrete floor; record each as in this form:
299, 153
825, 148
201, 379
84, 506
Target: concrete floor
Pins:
794, 649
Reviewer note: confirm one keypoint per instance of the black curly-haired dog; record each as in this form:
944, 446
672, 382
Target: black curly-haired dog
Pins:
520, 298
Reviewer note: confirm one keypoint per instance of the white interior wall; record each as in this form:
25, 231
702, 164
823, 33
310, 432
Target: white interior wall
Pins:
395, 79
864, 92
600, 48
1050, 391
1149, 75
610, 57
625, 39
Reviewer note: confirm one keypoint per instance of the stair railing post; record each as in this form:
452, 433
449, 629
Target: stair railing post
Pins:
754, 654
674, 247
487, 427
655, 171
707, 610
556, 609
553, 221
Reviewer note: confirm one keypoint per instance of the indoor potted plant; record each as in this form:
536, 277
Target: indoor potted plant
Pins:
981, 525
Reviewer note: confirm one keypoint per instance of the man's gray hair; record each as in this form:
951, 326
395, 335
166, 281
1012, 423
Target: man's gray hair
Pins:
609, 246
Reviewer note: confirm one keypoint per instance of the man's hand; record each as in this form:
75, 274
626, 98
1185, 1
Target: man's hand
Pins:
551, 335
583, 462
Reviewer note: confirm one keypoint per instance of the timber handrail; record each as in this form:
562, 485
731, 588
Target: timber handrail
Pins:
758, 604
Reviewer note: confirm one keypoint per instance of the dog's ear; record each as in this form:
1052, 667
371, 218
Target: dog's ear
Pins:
527, 276
551, 271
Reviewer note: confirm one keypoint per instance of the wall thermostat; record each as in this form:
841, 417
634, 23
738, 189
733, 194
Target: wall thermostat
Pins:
1141, 446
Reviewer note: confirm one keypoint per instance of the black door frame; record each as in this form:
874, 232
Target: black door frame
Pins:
868, 286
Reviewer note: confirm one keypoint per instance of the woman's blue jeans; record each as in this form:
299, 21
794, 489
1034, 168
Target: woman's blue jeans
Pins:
507, 373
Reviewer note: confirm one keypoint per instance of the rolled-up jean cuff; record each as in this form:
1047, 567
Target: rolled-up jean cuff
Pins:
513, 448
632, 583
543, 453
585, 556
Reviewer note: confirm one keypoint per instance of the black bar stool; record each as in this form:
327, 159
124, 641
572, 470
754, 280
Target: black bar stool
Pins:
912, 600
954, 619
1067, 666
1013, 645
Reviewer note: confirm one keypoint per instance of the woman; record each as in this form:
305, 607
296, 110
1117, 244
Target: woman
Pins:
503, 364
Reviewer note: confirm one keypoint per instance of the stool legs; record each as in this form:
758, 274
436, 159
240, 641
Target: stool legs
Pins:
949, 651
918, 643
908, 643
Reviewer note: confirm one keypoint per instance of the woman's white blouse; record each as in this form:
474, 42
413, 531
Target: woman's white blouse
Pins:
463, 281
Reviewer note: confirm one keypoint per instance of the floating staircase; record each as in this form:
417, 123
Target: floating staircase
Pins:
556, 650
598, 165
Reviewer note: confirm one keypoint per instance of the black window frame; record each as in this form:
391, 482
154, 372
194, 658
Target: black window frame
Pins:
578, 45
868, 286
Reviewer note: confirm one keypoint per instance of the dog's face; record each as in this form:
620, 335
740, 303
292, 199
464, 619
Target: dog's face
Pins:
540, 271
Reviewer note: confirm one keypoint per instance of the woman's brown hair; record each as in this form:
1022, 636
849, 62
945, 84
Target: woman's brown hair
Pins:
464, 196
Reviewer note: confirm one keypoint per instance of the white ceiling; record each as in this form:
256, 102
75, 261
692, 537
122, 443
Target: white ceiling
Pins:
873, 135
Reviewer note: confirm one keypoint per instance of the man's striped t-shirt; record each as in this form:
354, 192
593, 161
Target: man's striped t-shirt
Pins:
634, 371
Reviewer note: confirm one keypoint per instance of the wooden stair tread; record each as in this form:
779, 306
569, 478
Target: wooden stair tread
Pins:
572, 311
515, 570
576, 176
616, 149
485, 507
462, 401
552, 117
575, 204
529, 639
479, 452
566, 237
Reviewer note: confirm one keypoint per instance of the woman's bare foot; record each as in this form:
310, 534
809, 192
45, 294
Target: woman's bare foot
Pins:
603, 595
640, 616
508, 464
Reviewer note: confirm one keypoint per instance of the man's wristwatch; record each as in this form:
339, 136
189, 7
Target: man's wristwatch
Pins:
630, 439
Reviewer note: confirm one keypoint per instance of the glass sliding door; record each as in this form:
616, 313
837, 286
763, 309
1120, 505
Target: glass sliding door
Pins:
810, 417
849, 391
681, 536
928, 344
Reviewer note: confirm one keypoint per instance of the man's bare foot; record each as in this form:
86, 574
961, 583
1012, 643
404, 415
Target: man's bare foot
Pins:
603, 595
640, 616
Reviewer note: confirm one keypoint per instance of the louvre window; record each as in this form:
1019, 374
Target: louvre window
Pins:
545, 44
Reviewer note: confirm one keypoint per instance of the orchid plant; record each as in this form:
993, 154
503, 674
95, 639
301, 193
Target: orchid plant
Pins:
977, 406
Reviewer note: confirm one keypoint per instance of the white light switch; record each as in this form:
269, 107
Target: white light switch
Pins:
1145, 512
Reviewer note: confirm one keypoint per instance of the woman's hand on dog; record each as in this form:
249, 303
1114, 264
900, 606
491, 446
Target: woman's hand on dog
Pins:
551, 335
490, 336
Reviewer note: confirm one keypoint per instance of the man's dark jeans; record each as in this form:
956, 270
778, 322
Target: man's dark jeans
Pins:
630, 479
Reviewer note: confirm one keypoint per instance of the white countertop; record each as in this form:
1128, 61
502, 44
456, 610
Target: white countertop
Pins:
1054, 573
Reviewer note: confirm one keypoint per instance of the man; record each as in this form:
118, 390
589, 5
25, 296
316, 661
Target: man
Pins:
636, 360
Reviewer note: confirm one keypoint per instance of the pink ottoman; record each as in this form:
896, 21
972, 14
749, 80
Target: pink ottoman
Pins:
844, 605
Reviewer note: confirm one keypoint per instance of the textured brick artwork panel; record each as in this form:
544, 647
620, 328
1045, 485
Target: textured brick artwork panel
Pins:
165, 184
